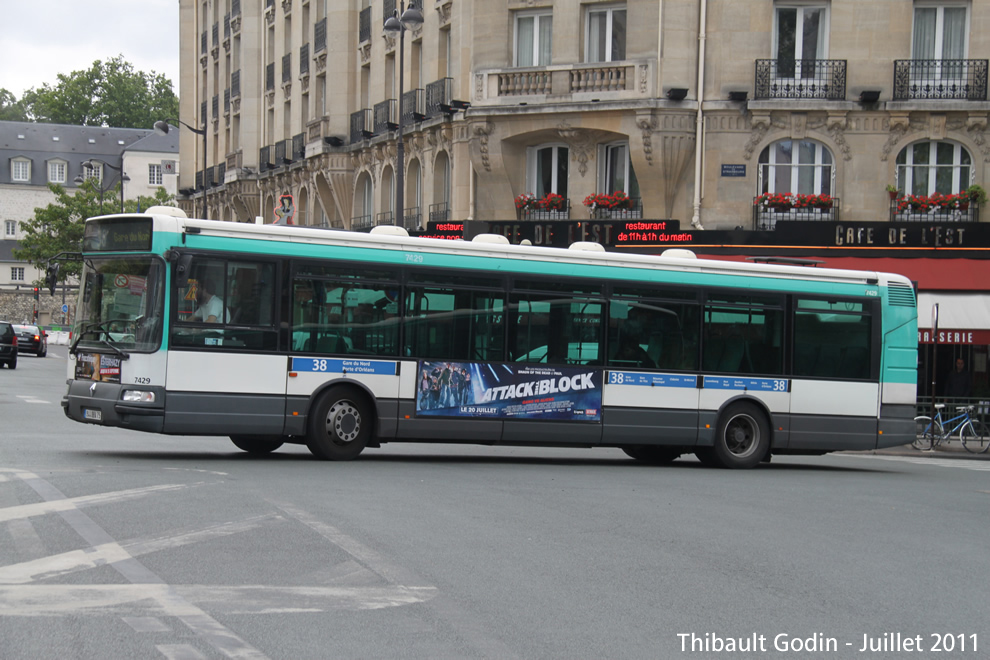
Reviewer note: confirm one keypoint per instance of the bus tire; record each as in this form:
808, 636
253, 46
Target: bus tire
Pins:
257, 444
742, 437
339, 425
652, 455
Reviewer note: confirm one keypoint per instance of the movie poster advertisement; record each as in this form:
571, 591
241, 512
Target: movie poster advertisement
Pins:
98, 367
509, 391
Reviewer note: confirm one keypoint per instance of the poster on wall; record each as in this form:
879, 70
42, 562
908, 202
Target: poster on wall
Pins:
509, 391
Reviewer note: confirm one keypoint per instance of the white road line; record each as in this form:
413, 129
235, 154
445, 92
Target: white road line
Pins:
53, 506
185, 600
45, 568
980, 466
149, 624
180, 652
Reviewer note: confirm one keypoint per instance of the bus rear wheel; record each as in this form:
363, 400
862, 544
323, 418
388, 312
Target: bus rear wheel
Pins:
742, 437
652, 455
256, 444
339, 426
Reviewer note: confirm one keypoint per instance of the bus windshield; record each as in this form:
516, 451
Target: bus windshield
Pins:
122, 303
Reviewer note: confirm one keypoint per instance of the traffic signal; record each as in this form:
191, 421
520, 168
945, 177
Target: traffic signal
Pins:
36, 290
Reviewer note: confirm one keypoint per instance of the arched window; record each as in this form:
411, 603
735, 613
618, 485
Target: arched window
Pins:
364, 202
413, 196
803, 167
616, 171
933, 166
546, 170
441, 179
388, 192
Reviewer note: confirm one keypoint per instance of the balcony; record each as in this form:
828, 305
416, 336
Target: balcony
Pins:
958, 80
767, 215
270, 77
935, 208
283, 152
584, 82
384, 218
265, 161
634, 211
801, 79
299, 146
304, 60
362, 125
412, 218
287, 68
413, 106
235, 84
362, 222
563, 212
439, 94
320, 35
386, 117
364, 24
440, 212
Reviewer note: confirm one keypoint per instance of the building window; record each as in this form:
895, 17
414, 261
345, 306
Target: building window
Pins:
547, 170
606, 34
94, 172
17, 274
939, 33
20, 170
797, 166
10, 228
534, 32
800, 40
616, 172
56, 172
154, 175
928, 167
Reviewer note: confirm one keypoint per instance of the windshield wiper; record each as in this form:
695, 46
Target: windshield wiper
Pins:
98, 326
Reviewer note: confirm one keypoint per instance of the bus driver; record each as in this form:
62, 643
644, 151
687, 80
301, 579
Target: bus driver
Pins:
210, 305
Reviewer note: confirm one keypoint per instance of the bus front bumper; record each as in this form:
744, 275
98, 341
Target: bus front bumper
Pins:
100, 403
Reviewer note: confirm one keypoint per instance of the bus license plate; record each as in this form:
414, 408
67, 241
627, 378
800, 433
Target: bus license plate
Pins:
95, 415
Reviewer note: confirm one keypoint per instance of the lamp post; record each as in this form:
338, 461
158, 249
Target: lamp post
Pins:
401, 20
161, 128
91, 165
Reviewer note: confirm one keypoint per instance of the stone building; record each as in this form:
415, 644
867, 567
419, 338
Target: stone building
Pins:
693, 108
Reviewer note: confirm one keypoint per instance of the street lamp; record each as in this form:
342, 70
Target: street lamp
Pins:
91, 165
401, 20
161, 128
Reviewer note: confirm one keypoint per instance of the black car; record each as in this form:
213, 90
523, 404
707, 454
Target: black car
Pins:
31, 339
8, 345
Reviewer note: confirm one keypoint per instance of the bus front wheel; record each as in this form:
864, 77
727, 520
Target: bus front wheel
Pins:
741, 439
256, 444
339, 426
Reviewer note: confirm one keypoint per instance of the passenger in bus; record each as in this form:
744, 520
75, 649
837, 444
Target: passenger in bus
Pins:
211, 307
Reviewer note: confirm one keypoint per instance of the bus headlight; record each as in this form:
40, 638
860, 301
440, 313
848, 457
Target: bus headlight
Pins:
138, 396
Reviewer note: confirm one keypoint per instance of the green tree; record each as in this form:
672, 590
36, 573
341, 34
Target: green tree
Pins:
109, 93
10, 108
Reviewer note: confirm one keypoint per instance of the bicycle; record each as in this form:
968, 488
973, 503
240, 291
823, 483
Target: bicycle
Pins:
972, 433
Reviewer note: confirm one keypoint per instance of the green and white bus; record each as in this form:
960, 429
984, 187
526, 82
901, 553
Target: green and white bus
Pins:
343, 340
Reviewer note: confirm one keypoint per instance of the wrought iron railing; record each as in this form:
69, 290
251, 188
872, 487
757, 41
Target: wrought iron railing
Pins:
362, 125
270, 76
800, 79
320, 35
265, 158
299, 146
199, 180
440, 212
961, 80
202, 113
919, 209
304, 59
384, 218
413, 106
412, 217
765, 218
438, 96
235, 84
226, 26
221, 173
215, 32
364, 24
235, 7
216, 105
287, 68
547, 214
362, 222
202, 43
633, 211
386, 118
226, 101
388, 8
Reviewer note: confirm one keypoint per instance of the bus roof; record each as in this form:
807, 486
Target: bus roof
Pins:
676, 259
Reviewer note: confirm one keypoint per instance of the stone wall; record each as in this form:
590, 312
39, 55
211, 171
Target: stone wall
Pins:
18, 306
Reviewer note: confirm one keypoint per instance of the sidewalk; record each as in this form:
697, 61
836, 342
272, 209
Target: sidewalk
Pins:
952, 449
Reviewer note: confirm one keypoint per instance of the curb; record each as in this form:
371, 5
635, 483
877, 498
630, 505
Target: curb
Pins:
949, 449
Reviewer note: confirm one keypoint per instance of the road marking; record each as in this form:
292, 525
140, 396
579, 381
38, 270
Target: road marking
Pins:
73, 561
29, 398
180, 652
146, 624
69, 504
980, 466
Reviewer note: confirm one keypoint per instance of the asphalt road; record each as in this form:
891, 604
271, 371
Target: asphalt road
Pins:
116, 544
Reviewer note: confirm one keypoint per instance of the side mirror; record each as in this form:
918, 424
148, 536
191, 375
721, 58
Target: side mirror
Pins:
182, 270
51, 277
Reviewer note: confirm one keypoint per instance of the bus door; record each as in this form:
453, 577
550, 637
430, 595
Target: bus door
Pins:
224, 373
344, 331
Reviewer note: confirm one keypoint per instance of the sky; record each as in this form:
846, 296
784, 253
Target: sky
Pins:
44, 38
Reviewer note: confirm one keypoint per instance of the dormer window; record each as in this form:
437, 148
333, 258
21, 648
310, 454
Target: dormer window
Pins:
20, 170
